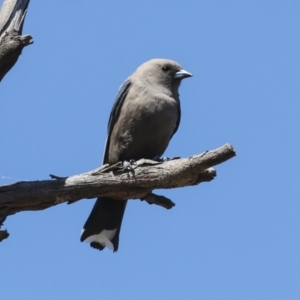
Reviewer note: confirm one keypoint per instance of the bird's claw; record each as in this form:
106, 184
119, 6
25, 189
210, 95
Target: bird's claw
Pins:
128, 165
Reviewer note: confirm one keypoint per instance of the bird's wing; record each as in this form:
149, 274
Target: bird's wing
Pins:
178, 119
115, 112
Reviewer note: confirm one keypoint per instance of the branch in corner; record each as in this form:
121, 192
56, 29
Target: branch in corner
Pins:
12, 17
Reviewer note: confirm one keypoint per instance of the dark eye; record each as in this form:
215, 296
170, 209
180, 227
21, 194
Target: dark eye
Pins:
166, 68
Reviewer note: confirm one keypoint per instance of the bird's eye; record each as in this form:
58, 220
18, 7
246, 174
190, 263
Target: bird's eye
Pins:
165, 68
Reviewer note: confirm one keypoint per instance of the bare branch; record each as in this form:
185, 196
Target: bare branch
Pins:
12, 16
115, 182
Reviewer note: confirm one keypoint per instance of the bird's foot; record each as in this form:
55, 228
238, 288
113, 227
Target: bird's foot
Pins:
129, 166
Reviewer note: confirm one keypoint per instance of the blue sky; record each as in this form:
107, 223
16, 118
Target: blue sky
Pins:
236, 237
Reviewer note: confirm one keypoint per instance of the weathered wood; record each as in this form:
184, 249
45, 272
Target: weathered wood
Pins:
115, 182
12, 16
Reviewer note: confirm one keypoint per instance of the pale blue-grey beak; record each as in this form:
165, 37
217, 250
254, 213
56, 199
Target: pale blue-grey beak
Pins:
182, 74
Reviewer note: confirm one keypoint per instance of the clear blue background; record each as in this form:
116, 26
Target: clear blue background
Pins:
236, 237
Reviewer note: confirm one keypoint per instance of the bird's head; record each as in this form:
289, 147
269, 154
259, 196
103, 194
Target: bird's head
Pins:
165, 72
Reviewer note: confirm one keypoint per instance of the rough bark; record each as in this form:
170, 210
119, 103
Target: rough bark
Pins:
12, 16
114, 182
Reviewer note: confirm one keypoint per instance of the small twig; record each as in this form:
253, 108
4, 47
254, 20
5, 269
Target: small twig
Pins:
159, 200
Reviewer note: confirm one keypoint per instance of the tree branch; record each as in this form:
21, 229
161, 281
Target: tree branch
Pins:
115, 182
12, 17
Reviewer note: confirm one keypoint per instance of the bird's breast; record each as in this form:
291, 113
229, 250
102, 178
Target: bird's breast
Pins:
144, 127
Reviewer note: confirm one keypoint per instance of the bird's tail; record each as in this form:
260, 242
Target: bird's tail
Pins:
103, 225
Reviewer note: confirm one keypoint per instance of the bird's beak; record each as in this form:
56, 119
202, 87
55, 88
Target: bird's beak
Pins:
182, 74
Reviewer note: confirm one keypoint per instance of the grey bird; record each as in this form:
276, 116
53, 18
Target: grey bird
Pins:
144, 117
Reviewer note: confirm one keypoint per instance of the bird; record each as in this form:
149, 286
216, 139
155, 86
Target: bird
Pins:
144, 117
